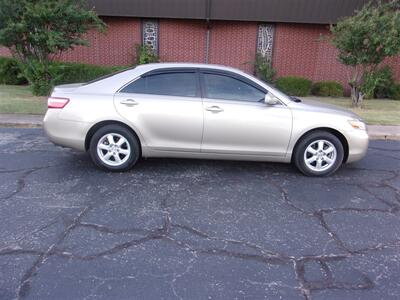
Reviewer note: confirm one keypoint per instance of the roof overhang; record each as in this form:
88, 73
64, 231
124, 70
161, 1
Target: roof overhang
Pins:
290, 11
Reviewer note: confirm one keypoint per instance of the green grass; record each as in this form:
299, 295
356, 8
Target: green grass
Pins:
19, 99
373, 112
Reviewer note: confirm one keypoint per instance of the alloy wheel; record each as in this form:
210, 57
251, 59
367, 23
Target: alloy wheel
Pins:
113, 149
320, 155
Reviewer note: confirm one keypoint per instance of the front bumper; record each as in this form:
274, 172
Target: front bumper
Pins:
358, 144
65, 133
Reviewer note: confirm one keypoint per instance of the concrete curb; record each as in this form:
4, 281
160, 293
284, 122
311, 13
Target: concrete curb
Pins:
376, 132
379, 132
21, 120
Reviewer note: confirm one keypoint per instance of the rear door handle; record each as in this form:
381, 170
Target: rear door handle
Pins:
129, 102
214, 109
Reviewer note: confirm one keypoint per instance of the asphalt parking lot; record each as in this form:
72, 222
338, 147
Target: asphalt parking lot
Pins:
191, 229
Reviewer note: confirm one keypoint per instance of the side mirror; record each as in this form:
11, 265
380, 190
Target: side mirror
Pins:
271, 99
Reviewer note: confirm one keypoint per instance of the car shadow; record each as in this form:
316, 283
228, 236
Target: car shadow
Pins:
82, 160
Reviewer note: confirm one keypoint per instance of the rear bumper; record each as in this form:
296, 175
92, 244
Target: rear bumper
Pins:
65, 133
358, 145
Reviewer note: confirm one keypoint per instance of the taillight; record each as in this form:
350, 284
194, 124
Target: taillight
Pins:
55, 102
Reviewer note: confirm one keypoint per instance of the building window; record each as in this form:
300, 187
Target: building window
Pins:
150, 34
265, 40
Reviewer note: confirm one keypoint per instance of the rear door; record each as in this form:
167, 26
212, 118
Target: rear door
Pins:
237, 121
166, 108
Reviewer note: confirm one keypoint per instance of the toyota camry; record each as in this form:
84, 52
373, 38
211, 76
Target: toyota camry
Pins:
200, 111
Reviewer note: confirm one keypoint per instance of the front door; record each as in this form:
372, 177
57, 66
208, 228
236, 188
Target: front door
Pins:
237, 121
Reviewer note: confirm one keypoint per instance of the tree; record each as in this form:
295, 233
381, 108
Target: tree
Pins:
263, 68
145, 55
366, 39
37, 31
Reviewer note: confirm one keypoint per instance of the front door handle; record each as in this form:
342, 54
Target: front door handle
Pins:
129, 102
214, 109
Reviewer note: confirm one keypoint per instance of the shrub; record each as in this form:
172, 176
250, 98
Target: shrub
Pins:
263, 69
145, 55
378, 84
327, 89
395, 91
63, 73
38, 76
10, 72
294, 86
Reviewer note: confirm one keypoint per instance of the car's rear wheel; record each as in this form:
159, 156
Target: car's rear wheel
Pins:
319, 153
114, 148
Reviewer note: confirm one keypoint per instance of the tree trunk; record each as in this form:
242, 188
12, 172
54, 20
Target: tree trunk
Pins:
357, 96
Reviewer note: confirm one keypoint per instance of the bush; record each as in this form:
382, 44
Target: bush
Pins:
327, 89
294, 86
395, 92
145, 55
63, 73
378, 84
263, 69
38, 76
10, 72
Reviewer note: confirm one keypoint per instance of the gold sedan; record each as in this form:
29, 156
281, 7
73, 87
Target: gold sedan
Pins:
200, 111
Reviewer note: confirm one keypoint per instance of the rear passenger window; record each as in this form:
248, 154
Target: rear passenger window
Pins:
136, 87
169, 84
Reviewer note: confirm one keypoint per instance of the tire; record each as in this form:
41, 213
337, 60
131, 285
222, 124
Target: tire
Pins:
114, 148
313, 160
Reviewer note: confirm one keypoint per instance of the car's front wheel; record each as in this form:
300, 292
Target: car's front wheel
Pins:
319, 153
114, 148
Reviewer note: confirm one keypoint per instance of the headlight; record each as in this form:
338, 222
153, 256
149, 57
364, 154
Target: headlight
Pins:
357, 124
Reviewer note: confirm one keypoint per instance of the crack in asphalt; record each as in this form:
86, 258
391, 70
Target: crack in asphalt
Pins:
25, 284
21, 181
266, 257
260, 254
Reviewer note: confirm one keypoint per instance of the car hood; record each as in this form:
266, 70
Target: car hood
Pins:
316, 106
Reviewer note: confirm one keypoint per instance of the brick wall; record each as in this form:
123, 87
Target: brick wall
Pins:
182, 41
300, 51
233, 44
394, 62
114, 47
4, 52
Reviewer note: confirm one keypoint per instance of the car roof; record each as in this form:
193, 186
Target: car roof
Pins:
154, 66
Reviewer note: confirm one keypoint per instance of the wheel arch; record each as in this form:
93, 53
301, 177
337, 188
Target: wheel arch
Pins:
98, 125
335, 132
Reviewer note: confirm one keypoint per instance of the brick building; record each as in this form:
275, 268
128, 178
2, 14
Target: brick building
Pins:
228, 32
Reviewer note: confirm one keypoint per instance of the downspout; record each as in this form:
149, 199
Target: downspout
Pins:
208, 33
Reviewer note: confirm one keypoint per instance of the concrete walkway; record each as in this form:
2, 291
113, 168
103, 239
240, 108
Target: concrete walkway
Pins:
376, 132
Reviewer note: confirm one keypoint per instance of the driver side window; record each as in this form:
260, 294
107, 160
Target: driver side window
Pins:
229, 88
